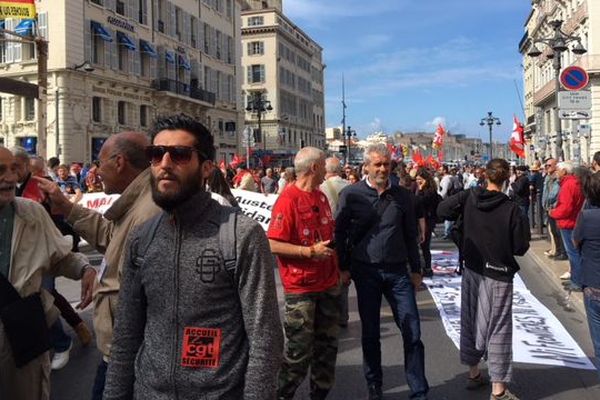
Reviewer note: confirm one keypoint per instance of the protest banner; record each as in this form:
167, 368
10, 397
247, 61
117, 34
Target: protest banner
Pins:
538, 336
98, 201
257, 206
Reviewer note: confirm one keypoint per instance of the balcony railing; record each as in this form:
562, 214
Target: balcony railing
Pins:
196, 93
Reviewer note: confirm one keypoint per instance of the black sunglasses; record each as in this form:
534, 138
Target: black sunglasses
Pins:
178, 154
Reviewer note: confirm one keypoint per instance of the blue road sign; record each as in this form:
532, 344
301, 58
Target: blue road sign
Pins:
574, 78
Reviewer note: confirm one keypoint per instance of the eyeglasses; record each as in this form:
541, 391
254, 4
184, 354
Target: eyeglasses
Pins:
100, 162
178, 154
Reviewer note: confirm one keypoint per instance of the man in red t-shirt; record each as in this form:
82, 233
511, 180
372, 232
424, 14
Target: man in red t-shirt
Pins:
300, 235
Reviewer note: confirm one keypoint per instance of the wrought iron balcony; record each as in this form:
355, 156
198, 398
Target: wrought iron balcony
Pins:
184, 89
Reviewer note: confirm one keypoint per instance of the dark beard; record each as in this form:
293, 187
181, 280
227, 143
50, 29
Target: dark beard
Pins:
169, 202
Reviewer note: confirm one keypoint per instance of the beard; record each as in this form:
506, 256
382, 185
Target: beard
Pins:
188, 188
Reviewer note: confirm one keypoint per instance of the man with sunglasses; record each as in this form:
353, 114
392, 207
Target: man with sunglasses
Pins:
124, 170
188, 324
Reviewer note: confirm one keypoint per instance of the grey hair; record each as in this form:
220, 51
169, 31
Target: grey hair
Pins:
333, 165
133, 146
306, 158
566, 165
20, 152
377, 148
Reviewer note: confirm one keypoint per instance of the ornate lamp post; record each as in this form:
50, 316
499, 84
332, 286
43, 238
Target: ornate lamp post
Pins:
259, 105
490, 120
348, 135
558, 43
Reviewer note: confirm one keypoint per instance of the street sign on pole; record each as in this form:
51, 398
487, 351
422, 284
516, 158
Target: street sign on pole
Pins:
574, 101
575, 114
574, 78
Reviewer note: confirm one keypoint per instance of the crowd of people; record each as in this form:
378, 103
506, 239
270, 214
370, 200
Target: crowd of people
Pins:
185, 300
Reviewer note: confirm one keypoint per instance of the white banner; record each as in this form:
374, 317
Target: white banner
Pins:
98, 201
257, 206
538, 336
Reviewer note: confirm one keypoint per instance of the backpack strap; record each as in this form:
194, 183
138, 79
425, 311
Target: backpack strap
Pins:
145, 237
227, 238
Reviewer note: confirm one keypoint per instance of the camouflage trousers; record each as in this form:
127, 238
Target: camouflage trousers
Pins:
311, 324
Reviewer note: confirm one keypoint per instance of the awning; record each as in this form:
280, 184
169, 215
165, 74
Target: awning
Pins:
124, 40
147, 48
170, 57
184, 63
25, 27
99, 30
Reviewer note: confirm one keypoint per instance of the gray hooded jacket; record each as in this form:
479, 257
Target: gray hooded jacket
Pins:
187, 328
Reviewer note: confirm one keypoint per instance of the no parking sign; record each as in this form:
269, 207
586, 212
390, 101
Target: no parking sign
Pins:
574, 78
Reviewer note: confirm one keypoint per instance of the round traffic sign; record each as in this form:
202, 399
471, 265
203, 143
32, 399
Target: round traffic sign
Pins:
574, 78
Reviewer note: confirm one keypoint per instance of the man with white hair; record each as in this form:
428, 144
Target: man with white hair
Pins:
300, 235
268, 184
569, 203
376, 234
331, 187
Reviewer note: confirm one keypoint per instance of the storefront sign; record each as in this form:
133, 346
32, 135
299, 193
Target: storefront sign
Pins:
117, 93
119, 23
23, 9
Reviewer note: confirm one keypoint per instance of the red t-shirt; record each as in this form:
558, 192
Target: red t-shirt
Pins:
304, 218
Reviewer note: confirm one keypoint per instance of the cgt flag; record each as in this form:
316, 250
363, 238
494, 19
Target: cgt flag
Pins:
22, 9
517, 138
438, 139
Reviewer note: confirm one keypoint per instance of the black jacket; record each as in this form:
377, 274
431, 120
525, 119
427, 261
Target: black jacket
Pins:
494, 231
387, 238
520, 188
428, 201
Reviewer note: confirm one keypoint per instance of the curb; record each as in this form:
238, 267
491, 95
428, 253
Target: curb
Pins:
576, 299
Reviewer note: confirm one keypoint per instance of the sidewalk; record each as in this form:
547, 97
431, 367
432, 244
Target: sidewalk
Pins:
553, 269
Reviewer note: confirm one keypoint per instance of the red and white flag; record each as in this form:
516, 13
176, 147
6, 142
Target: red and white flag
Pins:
438, 139
517, 138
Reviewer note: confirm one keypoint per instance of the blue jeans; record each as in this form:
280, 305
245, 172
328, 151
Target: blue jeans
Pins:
371, 283
573, 254
592, 309
99, 381
59, 340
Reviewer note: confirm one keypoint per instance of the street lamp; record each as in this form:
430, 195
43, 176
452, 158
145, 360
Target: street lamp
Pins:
348, 135
558, 43
259, 105
490, 120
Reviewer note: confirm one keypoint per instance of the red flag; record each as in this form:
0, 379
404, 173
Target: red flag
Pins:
418, 158
517, 138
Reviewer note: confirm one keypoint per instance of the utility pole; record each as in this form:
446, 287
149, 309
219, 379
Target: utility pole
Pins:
344, 120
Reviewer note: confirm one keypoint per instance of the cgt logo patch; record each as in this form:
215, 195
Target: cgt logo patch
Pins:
201, 348
208, 265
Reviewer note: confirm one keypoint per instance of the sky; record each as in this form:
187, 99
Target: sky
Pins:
410, 64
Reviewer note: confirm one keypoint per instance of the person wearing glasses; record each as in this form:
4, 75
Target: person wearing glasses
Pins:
123, 166
190, 324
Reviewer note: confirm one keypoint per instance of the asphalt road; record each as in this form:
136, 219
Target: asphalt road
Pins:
445, 374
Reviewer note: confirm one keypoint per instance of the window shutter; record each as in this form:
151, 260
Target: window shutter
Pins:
155, 16
195, 72
9, 45
114, 49
162, 63
153, 68
187, 76
171, 71
262, 73
249, 74
17, 47
108, 52
135, 10
187, 29
87, 39
173, 20
132, 56
145, 12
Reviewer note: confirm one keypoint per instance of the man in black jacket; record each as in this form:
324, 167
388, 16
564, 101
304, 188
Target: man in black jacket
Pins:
520, 190
378, 222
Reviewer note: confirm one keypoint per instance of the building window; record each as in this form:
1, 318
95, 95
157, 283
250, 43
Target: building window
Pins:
97, 50
178, 23
256, 21
256, 48
99, 2
96, 109
256, 73
143, 12
144, 116
122, 113
29, 109
1, 113
193, 33
121, 7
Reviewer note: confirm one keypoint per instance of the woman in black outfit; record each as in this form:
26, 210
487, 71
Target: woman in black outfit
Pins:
427, 199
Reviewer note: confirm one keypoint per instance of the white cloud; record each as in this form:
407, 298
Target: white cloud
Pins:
376, 125
436, 121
